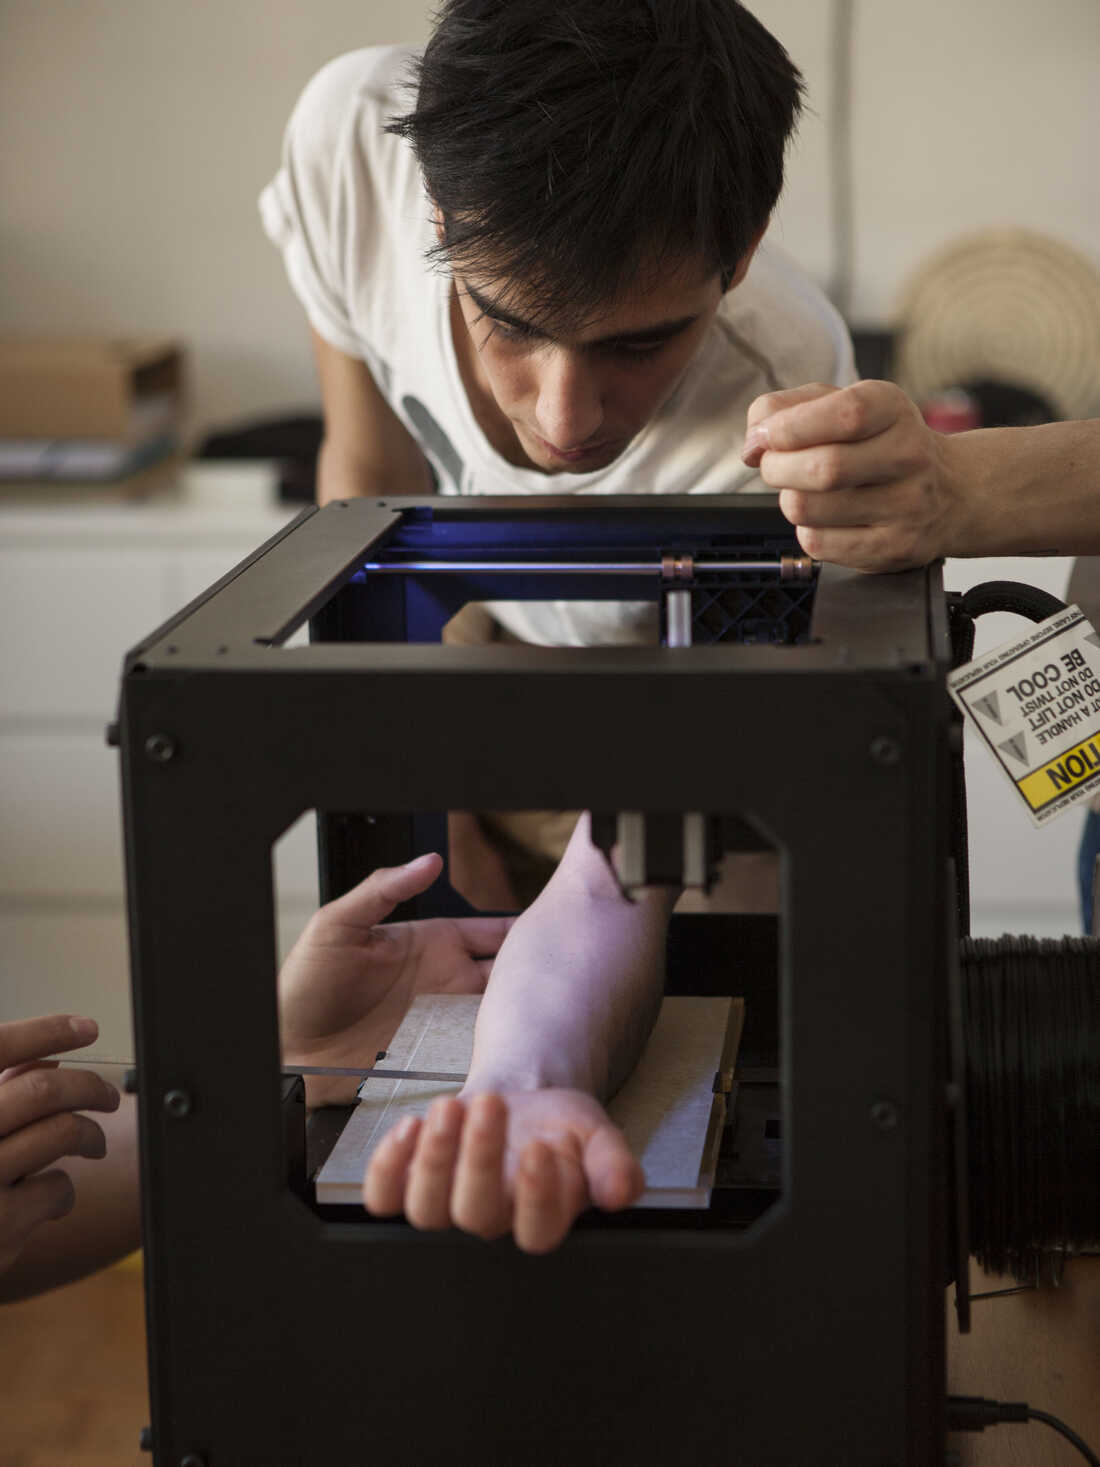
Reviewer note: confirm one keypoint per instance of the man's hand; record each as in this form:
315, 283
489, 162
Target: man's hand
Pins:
859, 473
40, 1124
347, 982
529, 1162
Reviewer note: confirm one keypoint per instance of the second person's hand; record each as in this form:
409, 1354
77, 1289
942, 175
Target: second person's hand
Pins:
40, 1123
350, 977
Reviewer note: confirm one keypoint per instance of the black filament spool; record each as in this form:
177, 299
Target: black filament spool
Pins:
1031, 1025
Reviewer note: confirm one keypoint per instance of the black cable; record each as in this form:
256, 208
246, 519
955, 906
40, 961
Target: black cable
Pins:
1013, 596
962, 609
1063, 1430
975, 1413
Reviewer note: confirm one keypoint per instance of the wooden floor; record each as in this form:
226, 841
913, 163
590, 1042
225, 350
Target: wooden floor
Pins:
1041, 1347
72, 1375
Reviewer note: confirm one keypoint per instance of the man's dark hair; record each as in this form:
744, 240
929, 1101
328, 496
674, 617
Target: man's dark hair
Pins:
572, 144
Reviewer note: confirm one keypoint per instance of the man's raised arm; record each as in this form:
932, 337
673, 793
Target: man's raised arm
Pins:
870, 485
366, 448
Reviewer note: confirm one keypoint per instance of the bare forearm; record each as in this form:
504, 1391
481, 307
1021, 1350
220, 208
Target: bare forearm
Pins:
367, 449
576, 987
1025, 490
342, 475
869, 485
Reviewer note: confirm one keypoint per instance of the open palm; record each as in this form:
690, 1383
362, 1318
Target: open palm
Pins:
348, 981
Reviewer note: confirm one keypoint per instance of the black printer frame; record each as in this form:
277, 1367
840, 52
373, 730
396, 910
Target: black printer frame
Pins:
279, 1337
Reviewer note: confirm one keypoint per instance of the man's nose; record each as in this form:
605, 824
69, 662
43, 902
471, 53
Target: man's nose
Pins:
569, 409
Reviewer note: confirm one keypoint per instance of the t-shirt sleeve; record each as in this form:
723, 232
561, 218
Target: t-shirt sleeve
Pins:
300, 207
797, 334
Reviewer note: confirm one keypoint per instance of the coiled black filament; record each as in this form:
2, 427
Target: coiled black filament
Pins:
1031, 1022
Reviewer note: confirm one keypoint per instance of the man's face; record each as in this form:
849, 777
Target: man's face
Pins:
574, 402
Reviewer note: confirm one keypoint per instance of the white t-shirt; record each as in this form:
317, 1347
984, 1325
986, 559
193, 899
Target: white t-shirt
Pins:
349, 211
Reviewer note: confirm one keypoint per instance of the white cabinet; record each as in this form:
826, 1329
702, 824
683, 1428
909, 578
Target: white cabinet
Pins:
60, 838
67, 613
80, 583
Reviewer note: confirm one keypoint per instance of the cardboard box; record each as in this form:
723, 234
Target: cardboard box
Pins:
129, 390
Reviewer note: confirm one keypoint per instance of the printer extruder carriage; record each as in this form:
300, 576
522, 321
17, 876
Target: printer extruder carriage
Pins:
283, 1335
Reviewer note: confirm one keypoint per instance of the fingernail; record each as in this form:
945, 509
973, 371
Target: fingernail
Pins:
405, 1129
84, 1028
756, 440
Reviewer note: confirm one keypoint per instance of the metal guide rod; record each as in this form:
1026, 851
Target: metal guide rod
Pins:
355, 1072
789, 567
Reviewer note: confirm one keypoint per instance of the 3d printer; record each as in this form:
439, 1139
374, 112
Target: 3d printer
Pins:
797, 707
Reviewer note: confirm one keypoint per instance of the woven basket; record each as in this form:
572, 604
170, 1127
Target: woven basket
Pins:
1005, 305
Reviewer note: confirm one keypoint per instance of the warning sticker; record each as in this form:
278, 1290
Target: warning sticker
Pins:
1036, 704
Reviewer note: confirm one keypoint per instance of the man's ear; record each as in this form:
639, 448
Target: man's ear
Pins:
437, 220
746, 259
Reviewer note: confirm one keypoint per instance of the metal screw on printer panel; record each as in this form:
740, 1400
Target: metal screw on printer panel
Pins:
160, 747
884, 1115
177, 1103
885, 751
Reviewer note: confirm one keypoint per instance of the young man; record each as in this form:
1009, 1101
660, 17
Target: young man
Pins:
548, 277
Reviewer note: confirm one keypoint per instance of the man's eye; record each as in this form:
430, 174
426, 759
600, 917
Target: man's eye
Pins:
636, 349
511, 333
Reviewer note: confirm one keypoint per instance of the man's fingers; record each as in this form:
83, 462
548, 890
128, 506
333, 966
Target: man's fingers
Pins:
764, 408
376, 896
44, 1091
38, 1146
841, 415
33, 1039
388, 1170
431, 1173
550, 1194
479, 1198
901, 500
865, 547
614, 1175
770, 403
885, 527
